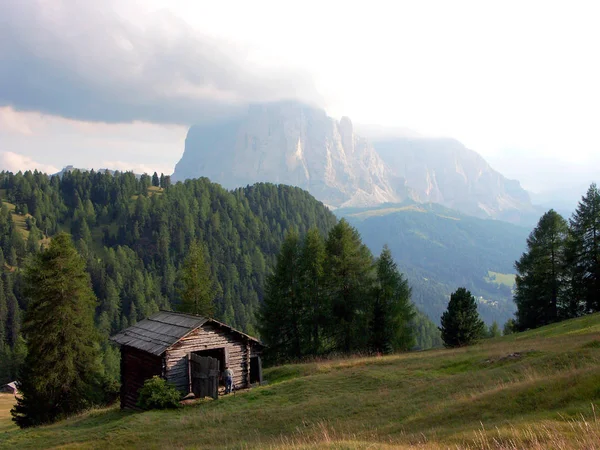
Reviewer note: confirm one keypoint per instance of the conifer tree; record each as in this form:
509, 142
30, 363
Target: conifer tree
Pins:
281, 314
494, 330
461, 324
584, 252
196, 292
349, 275
155, 180
61, 370
393, 311
312, 260
539, 292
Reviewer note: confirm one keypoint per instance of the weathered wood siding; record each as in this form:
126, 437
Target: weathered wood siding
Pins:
205, 338
136, 367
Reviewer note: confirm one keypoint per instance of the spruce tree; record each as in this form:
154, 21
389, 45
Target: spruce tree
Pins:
539, 292
585, 251
155, 180
392, 310
61, 371
196, 292
461, 324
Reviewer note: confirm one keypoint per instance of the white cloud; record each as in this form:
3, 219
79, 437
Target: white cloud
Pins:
14, 162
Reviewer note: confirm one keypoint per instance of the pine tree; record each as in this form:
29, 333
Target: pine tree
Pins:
196, 292
155, 180
60, 374
585, 251
461, 324
509, 327
349, 275
539, 292
393, 311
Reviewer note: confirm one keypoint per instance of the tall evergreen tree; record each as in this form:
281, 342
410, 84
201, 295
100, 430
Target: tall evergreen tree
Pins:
155, 180
196, 292
312, 260
62, 364
393, 311
461, 324
585, 251
349, 275
281, 315
539, 292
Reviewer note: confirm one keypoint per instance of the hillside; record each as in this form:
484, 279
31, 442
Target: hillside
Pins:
292, 143
536, 389
440, 250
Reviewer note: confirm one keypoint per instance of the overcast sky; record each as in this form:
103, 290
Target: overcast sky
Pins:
116, 83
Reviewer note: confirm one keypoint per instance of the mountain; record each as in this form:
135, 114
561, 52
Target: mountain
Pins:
440, 250
294, 144
444, 171
291, 143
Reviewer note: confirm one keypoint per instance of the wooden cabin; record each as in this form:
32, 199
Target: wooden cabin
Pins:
188, 351
9, 388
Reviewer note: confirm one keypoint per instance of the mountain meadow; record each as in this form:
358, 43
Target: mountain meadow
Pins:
537, 389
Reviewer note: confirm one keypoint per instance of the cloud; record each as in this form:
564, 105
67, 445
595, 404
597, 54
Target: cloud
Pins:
85, 61
13, 162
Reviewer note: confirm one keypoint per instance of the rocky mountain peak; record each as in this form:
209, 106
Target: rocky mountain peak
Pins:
292, 143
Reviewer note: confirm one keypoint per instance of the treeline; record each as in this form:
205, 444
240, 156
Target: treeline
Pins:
558, 277
331, 295
134, 234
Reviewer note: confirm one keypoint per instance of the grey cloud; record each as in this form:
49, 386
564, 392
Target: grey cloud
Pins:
75, 60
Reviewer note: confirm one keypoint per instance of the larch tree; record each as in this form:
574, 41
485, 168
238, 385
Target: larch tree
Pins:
282, 311
196, 291
61, 373
350, 277
312, 260
392, 310
461, 324
539, 292
584, 254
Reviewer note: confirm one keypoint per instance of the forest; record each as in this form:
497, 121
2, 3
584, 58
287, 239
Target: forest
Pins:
134, 234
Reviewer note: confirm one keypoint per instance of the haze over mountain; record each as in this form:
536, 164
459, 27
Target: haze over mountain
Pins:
291, 143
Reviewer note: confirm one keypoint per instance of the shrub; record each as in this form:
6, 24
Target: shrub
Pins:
158, 394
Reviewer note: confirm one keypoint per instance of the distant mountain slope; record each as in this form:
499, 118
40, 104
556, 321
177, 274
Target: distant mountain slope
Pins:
444, 171
440, 250
291, 143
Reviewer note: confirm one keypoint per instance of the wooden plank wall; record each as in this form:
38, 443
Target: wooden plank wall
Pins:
204, 338
136, 367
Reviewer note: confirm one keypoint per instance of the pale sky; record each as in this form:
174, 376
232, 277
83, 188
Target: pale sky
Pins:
116, 83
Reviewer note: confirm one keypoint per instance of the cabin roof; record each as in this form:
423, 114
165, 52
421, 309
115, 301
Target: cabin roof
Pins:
12, 384
162, 330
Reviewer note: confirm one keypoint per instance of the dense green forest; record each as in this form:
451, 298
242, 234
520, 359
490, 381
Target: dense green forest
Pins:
134, 234
439, 249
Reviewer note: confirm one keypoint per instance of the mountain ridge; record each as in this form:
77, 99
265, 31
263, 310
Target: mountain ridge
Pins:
300, 145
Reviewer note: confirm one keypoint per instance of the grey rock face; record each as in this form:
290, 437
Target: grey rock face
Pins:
291, 143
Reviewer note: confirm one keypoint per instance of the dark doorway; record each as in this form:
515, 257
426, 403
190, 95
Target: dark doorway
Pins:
217, 353
255, 370
204, 372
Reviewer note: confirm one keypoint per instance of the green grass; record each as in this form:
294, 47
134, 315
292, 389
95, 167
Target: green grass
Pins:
6, 403
529, 390
506, 279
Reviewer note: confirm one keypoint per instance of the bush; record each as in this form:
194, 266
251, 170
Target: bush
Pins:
158, 394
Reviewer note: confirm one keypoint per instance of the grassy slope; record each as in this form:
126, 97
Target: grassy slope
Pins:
6, 403
478, 397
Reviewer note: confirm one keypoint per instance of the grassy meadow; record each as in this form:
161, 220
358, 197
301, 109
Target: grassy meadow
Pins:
538, 389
